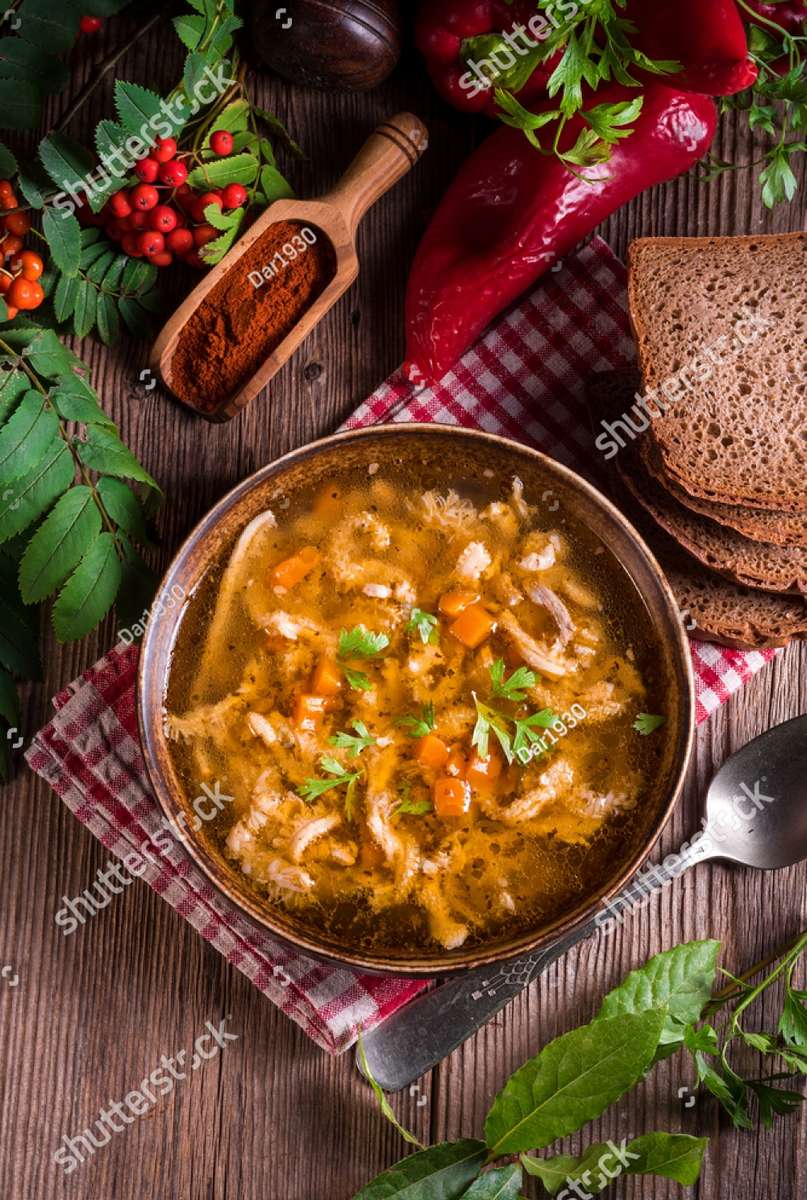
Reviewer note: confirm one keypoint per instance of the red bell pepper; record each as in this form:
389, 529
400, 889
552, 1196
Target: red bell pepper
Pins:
511, 213
706, 36
790, 15
461, 71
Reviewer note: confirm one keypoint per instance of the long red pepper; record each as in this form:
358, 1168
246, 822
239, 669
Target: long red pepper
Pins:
511, 213
707, 37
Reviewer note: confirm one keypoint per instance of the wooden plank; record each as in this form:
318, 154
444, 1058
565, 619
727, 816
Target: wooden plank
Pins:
273, 1117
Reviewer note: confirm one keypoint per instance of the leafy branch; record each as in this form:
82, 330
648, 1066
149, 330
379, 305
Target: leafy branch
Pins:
578, 1076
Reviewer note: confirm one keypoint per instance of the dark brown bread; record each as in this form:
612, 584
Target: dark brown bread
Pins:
738, 434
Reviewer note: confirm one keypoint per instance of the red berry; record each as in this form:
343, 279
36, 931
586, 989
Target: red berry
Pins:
138, 220
203, 234
164, 150
185, 197
198, 211
195, 260
174, 173
180, 241
131, 245
163, 259
119, 205
234, 195
144, 197
151, 242
221, 142
90, 24
163, 218
146, 169
21, 294
117, 229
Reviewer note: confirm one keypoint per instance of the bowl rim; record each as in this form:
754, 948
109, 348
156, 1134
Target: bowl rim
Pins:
415, 965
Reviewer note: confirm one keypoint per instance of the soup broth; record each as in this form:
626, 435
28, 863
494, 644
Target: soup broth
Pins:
422, 701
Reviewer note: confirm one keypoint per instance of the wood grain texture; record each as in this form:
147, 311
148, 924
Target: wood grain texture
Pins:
273, 1118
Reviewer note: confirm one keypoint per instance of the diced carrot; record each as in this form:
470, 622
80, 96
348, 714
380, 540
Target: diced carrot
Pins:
452, 797
309, 711
455, 763
451, 604
292, 570
326, 679
370, 855
472, 626
432, 751
483, 773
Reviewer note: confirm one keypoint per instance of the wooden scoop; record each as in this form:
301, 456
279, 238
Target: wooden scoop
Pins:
394, 147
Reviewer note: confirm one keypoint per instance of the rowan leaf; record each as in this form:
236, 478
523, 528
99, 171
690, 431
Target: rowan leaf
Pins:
138, 276
136, 318
28, 497
107, 318
85, 309
90, 591
67, 163
48, 356
12, 385
8, 163
123, 507
59, 544
48, 26
136, 106
18, 648
64, 298
75, 400
26, 436
20, 103
274, 185
236, 168
63, 234
106, 453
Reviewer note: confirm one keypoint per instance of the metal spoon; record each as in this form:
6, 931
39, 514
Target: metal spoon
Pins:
756, 816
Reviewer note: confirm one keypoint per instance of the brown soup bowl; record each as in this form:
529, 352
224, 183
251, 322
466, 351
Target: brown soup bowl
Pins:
444, 455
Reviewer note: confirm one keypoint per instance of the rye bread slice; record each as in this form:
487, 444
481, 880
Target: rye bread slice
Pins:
738, 433
615, 392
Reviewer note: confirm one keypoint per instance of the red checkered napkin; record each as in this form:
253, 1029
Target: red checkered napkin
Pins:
525, 380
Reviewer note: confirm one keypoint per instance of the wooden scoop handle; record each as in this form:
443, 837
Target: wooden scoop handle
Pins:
390, 151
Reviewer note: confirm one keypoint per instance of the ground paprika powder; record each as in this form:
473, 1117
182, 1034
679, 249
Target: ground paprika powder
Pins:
249, 312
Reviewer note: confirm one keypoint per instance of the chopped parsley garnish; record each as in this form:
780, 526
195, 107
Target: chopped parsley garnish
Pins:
353, 742
526, 736
418, 727
646, 723
360, 642
340, 777
515, 744
415, 808
426, 625
512, 688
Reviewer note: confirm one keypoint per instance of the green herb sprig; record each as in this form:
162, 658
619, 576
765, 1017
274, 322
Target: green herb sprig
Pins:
354, 743
419, 726
360, 642
339, 776
426, 625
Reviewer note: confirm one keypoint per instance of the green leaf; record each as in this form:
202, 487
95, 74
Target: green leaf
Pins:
779, 182
680, 979
237, 168
214, 251
383, 1102
354, 742
360, 642
357, 680
110, 140
647, 723
101, 265
501, 1184
609, 120
26, 437
514, 687
23, 61
234, 117
419, 726
189, 30
442, 1172
18, 648
274, 185
28, 497
135, 106
572, 1081
75, 400
34, 184
20, 103
8, 163
138, 276
107, 318
12, 385
669, 1155
49, 26
114, 274
123, 507
63, 234
85, 309
50, 357
64, 299
136, 318
9, 700
106, 453
66, 162
425, 625
59, 544
90, 591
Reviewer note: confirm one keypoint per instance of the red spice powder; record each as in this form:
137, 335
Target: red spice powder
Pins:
238, 324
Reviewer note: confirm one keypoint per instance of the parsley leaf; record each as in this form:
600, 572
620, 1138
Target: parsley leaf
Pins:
646, 723
360, 642
416, 808
357, 680
418, 727
526, 735
512, 688
424, 624
489, 721
354, 742
340, 777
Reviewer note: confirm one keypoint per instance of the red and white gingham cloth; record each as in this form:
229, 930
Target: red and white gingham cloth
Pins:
525, 380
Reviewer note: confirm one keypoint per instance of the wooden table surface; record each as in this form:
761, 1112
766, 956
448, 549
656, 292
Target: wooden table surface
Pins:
273, 1117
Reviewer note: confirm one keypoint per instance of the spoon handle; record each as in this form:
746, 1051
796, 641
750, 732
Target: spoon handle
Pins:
390, 151
417, 1037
